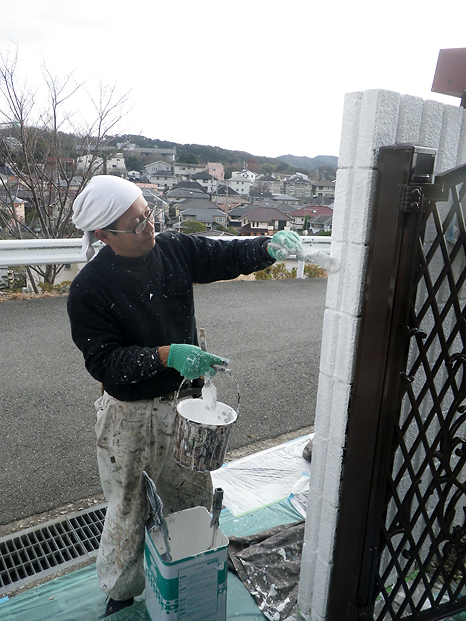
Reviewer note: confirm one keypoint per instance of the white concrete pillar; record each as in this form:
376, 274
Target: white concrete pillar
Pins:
371, 119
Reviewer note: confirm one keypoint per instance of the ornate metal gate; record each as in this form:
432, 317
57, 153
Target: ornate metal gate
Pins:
401, 538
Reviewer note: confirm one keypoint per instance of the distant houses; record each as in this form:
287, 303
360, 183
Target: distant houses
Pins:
264, 220
245, 203
313, 218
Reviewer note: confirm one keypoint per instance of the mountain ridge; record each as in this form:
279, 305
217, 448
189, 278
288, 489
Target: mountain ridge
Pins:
309, 163
233, 158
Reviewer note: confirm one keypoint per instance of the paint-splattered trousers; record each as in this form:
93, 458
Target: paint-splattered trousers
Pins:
132, 437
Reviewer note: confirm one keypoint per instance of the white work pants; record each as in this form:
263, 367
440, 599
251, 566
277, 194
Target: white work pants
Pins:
132, 437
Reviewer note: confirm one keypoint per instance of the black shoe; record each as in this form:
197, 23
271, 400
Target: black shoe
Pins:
307, 452
114, 605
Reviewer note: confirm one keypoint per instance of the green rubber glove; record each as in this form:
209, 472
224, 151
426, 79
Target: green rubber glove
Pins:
192, 362
283, 244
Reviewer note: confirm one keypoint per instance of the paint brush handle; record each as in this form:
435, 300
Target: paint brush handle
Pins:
202, 339
216, 507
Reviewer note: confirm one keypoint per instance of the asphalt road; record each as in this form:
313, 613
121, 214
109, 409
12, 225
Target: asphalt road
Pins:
270, 331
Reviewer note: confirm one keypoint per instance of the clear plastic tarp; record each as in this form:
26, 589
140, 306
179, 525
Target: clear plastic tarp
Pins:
266, 477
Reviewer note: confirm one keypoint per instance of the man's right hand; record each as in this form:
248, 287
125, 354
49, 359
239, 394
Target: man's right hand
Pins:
192, 362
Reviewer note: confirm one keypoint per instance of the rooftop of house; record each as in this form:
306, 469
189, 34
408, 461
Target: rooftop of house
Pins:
158, 162
259, 193
285, 198
203, 215
184, 193
299, 177
285, 207
312, 210
197, 203
223, 190
265, 178
267, 214
162, 173
322, 219
202, 175
240, 210
188, 185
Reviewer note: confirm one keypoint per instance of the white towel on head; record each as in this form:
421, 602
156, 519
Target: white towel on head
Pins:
103, 200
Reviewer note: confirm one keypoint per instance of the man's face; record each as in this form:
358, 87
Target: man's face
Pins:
129, 244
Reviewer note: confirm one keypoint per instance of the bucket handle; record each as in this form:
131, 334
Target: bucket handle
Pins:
222, 370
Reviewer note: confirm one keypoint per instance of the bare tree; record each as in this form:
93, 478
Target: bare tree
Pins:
47, 152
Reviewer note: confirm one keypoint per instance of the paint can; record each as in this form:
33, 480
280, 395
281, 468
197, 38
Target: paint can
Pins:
201, 435
193, 584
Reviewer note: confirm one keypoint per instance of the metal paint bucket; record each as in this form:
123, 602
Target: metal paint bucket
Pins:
201, 435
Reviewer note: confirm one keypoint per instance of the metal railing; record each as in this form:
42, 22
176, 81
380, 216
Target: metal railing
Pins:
25, 252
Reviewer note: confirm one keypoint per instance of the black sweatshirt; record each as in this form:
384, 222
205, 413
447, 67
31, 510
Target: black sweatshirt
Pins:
122, 309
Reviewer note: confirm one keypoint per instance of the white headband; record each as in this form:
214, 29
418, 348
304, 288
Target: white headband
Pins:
102, 201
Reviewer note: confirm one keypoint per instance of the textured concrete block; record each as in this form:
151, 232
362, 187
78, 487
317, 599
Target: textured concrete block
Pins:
331, 490
318, 464
341, 392
338, 341
409, 120
329, 341
449, 139
328, 524
313, 519
344, 361
345, 289
354, 196
377, 126
306, 579
320, 588
341, 210
361, 205
461, 156
332, 409
333, 281
308, 559
350, 129
431, 124
323, 406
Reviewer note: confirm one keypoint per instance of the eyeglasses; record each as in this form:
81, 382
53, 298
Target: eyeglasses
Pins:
141, 226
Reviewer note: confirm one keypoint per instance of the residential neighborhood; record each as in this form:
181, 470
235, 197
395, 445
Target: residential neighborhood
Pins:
246, 203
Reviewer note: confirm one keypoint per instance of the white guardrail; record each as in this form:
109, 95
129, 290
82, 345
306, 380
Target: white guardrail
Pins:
26, 252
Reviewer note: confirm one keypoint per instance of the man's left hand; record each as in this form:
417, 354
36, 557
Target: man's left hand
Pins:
283, 244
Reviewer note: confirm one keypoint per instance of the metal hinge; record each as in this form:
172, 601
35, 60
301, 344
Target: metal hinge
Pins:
410, 198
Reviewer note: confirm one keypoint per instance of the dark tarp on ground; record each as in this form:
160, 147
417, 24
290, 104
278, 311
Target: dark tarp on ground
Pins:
268, 563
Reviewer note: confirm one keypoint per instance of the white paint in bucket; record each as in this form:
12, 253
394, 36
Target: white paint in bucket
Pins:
196, 411
201, 435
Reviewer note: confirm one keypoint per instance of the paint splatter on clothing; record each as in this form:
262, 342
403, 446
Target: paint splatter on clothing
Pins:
131, 438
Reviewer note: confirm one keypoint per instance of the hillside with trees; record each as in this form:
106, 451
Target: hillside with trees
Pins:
231, 160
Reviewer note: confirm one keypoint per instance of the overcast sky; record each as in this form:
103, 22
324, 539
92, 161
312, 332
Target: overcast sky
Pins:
264, 77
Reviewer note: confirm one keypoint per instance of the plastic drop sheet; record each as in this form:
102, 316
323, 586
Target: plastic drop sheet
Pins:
268, 564
77, 597
265, 477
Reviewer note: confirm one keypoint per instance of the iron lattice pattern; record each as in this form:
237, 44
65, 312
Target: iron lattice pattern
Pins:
422, 553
